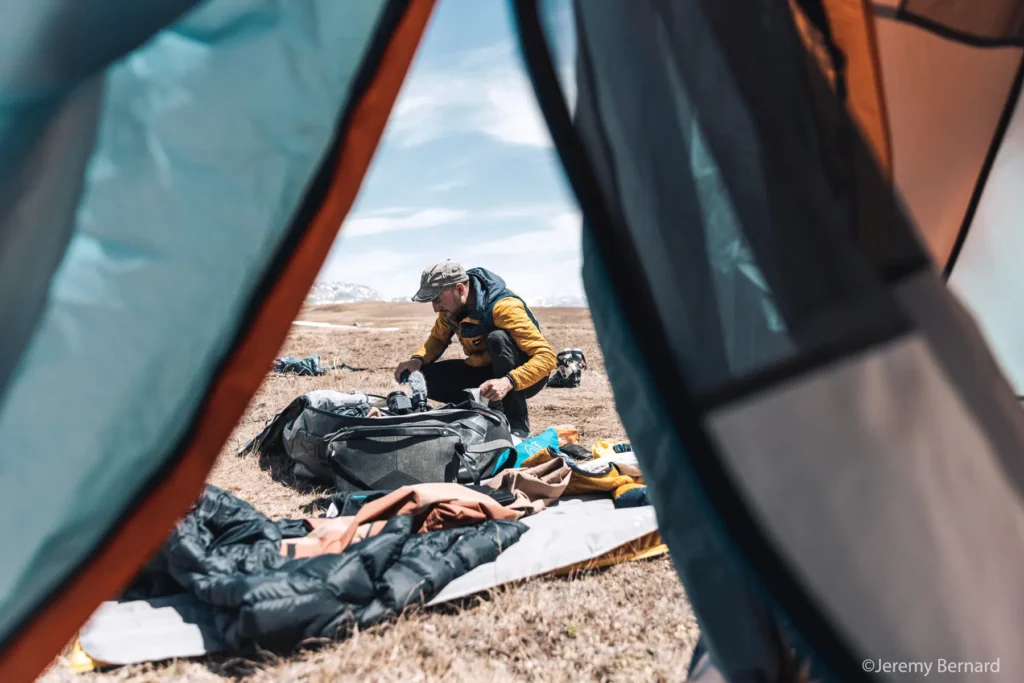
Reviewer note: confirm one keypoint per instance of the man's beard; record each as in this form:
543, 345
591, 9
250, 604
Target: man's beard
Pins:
462, 310
457, 315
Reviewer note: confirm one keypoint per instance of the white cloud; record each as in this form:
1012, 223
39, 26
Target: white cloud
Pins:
392, 220
387, 211
485, 91
560, 238
449, 185
538, 263
539, 211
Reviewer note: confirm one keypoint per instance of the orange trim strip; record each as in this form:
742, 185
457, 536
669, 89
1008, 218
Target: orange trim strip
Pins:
813, 43
142, 534
853, 29
885, 150
852, 25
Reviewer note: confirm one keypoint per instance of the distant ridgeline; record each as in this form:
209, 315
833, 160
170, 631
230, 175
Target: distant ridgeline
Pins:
349, 292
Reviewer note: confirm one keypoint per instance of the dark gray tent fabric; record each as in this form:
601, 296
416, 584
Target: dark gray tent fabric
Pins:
958, 344
731, 326
734, 619
874, 439
689, 141
896, 514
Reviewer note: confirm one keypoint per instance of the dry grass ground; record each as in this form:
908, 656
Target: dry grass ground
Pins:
629, 622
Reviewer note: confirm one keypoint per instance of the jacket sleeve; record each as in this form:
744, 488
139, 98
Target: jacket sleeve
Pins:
439, 339
510, 315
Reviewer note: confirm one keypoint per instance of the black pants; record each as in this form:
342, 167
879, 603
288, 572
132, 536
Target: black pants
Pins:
448, 379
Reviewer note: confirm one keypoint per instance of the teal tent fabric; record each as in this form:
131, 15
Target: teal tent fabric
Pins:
208, 137
50, 94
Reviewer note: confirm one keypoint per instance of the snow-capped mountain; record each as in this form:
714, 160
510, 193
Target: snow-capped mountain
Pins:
350, 292
341, 293
568, 301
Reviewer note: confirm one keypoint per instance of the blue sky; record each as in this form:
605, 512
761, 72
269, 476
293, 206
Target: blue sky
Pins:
466, 170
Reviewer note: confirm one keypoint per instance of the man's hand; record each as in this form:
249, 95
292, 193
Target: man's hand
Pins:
412, 365
495, 389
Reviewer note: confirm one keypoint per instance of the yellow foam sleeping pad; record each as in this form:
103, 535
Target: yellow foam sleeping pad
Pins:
80, 662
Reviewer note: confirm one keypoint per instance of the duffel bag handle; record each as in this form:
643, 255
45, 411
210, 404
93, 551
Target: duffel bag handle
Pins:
484, 408
393, 430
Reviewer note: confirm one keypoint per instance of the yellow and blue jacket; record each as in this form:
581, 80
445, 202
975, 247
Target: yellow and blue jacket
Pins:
494, 307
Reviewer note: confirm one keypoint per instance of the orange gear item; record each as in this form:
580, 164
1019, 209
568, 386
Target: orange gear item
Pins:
567, 434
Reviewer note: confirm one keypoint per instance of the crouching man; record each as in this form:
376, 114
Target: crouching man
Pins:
507, 357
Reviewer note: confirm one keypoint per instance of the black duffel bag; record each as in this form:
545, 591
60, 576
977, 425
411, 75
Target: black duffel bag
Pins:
463, 442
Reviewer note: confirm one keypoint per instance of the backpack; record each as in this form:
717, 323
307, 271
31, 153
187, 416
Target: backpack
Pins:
463, 443
569, 371
332, 441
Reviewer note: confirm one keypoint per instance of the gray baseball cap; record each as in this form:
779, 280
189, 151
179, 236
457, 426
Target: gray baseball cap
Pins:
438, 276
